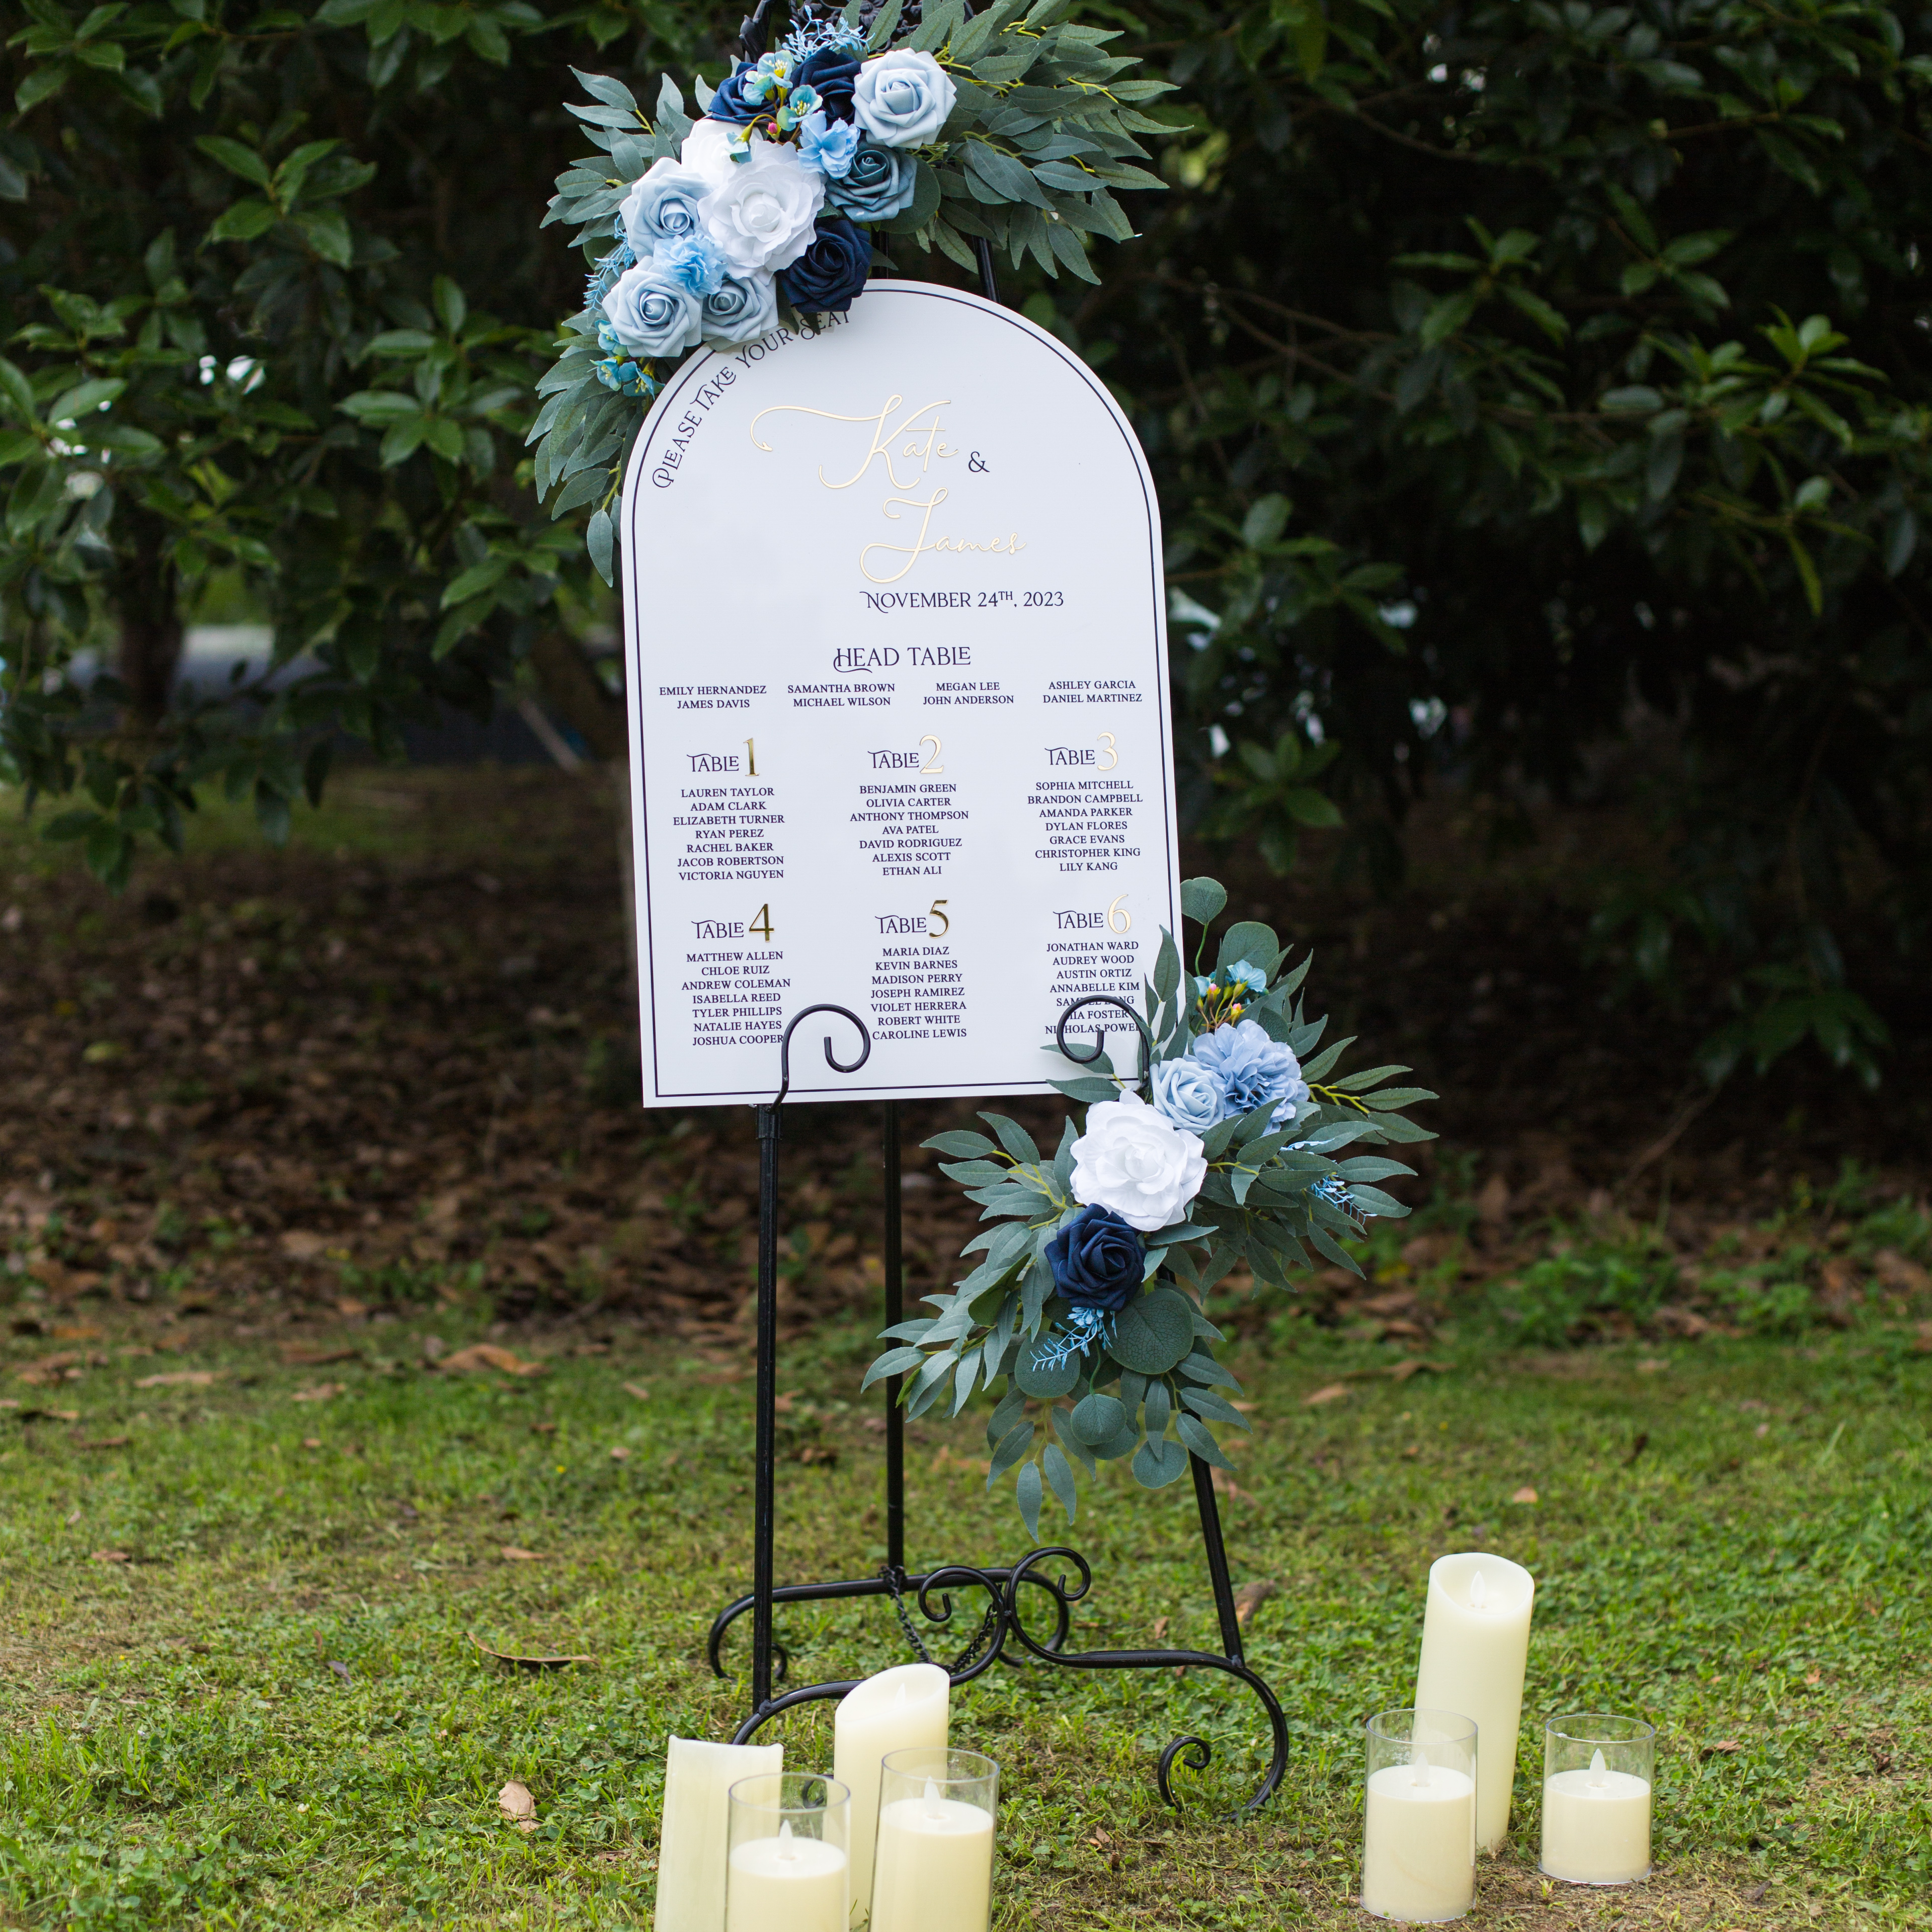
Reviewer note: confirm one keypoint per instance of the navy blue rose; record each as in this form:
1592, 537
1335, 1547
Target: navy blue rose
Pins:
1097, 1260
831, 271
832, 71
878, 184
729, 103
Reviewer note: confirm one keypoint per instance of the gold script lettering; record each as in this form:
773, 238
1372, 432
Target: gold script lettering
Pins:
922, 444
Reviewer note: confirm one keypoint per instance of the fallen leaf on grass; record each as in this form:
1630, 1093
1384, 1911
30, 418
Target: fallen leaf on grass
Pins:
1250, 1597
311, 1441
1812, 1677
528, 1659
1651, 1365
512, 1555
1638, 1447
488, 1355
1159, 1629
519, 1807
303, 1355
1402, 1371
8, 1402
1724, 1746
109, 1556
1525, 1495
618, 1453
50, 1415
302, 1244
181, 1378
322, 1392
106, 1442
341, 1669
1334, 1392
76, 1331
543, 1429
638, 1390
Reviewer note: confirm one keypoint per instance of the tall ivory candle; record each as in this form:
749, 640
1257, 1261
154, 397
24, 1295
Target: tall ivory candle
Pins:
908, 1704
786, 1884
1596, 1826
934, 1869
691, 1839
1418, 1841
1475, 1643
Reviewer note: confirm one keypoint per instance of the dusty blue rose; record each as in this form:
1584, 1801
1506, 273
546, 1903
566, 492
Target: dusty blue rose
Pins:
743, 307
902, 98
661, 205
877, 185
1193, 1097
652, 313
1255, 1070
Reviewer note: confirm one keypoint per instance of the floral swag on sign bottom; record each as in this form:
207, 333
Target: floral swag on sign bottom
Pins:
1087, 1302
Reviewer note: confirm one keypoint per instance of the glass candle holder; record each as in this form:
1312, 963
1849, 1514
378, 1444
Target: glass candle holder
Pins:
1597, 1772
933, 1871
1419, 1829
787, 1867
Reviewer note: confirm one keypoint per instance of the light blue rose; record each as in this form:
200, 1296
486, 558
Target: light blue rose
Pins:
878, 184
652, 313
662, 206
692, 260
827, 145
1192, 1096
1255, 1071
902, 98
743, 307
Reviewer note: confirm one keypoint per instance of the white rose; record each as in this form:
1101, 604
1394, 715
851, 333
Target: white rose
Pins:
1131, 1160
708, 149
761, 214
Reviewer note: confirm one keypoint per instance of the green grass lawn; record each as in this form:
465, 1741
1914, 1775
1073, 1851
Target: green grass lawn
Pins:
270, 1714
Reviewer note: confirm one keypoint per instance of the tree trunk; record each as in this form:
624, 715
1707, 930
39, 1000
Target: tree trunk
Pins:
150, 626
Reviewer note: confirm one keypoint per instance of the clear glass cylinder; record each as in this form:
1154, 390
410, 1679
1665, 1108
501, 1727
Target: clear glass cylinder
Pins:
788, 1866
933, 1871
1598, 1771
1419, 1823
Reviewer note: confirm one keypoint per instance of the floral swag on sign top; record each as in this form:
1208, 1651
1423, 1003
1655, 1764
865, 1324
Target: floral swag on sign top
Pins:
1008, 127
1087, 1303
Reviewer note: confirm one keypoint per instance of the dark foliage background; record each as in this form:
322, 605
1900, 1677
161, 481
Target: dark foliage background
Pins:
1538, 394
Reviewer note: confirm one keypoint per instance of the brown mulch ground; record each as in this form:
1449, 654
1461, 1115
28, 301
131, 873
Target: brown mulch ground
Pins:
279, 1086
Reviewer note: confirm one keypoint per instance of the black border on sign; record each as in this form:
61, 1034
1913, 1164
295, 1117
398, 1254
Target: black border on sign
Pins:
696, 371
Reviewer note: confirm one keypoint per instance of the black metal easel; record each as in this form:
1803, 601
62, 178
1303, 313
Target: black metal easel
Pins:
1003, 1635
1002, 1625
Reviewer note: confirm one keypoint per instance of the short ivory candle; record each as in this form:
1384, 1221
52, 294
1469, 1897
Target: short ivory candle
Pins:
1419, 1825
908, 1704
788, 1884
1596, 1826
935, 1869
691, 1840
1475, 1644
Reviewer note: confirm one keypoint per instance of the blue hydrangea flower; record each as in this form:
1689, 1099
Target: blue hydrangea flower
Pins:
827, 145
693, 262
1255, 1070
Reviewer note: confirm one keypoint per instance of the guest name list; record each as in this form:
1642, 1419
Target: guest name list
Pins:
898, 685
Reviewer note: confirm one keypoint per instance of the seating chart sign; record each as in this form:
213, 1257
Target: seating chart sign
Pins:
900, 738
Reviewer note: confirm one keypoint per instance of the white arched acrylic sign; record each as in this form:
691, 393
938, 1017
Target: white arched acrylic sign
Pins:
897, 674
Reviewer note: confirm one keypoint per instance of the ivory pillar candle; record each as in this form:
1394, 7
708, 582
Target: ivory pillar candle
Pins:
908, 1704
1475, 1645
787, 1884
933, 1869
691, 1847
1598, 1770
1419, 1821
